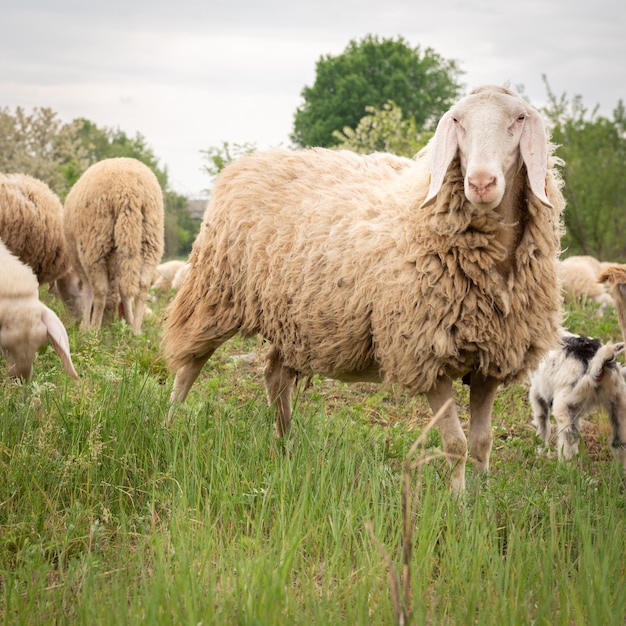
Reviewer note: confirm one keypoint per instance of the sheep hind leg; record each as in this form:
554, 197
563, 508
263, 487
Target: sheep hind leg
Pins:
452, 435
279, 382
482, 394
100, 289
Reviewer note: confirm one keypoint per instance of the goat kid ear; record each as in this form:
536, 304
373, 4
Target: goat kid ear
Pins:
619, 348
533, 148
59, 339
443, 149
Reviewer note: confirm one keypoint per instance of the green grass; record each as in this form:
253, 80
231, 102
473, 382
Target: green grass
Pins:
109, 517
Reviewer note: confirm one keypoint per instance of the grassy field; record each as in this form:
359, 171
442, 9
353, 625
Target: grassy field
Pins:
109, 517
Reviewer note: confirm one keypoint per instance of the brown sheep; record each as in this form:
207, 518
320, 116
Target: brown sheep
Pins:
379, 268
114, 230
31, 225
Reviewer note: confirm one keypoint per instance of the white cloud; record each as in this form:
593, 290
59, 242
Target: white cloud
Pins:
189, 75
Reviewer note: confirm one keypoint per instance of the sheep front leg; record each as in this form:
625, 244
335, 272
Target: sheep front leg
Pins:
279, 381
617, 417
452, 435
184, 379
482, 394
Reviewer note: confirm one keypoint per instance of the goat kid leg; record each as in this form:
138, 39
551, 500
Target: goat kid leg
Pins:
279, 381
452, 435
541, 416
567, 417
482, 394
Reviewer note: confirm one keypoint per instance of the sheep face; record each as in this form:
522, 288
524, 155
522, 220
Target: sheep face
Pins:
22, 333
493, 133
25, 326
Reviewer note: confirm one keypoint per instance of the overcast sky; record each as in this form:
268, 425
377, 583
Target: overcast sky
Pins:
190, 74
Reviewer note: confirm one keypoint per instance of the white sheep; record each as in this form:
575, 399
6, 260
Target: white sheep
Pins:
31, 225
573, 380
379, 268
579, 277
25, 322
114, 230
614, 275
163, 277
180, 276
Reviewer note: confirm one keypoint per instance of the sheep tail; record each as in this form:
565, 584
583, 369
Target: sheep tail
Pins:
128, 238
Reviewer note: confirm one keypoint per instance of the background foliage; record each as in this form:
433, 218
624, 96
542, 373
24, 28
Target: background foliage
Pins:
594, 150
40, 144
371, 72
379, 94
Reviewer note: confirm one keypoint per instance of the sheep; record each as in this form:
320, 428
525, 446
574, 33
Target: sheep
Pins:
25, 322
579, 277
164, 273
412, 272
180, 276
113, 226
31, 225
614, 275
573, 380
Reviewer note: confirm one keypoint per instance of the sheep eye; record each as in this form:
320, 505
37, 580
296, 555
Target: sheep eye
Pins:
521, 118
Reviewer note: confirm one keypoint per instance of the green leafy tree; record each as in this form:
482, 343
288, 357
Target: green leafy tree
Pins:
371, 72
594, 150
218, 157
40, 144
383, 130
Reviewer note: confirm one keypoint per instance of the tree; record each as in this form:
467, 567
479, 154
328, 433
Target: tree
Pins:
219, 157
370, 73
40, 144
594, 151
383, 130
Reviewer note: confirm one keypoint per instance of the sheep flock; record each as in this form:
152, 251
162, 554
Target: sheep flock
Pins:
407, 272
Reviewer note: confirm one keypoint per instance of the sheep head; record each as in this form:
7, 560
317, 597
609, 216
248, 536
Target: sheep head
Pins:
494, 132
26, 324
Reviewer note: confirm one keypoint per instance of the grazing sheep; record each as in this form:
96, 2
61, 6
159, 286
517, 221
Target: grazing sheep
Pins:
25, 322
114, 231
379, 268
31, 225
615, 276
574, 380
180, 276
579, 277
164, 273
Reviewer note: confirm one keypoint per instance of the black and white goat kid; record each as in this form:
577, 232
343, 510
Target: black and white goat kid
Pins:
573, 380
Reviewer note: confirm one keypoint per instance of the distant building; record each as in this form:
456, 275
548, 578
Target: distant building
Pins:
196, 207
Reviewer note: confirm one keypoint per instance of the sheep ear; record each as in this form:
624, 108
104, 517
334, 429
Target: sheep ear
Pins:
443, 148
59, 339
534, 151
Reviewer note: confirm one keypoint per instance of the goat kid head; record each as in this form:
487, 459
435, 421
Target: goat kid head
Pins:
494, 132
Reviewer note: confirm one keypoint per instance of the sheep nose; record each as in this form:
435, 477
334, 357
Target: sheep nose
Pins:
482, 183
